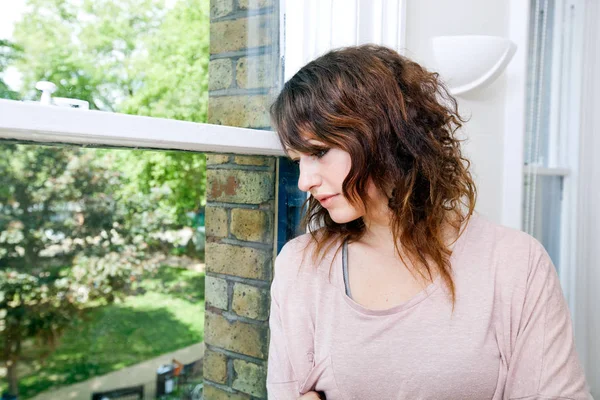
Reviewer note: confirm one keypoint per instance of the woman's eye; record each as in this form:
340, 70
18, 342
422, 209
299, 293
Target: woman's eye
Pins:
321, 153
317, 154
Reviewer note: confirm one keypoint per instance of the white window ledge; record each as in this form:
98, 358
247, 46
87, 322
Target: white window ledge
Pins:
545, 171
28, 121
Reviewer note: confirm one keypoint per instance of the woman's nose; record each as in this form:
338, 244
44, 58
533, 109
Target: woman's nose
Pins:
309, 177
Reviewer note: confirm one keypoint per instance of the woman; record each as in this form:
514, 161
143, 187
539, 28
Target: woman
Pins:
401, 291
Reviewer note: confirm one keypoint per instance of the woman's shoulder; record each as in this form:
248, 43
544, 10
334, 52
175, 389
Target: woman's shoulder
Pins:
293, 254
511, 253
296, 262
486, 234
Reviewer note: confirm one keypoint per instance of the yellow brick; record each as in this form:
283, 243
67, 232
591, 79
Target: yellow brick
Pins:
220, 8
215, 366
216, 222
245, 262
256, 72
250, 378
236, 336
258, 161
255, 4
216, 292
250, 225
240, 111
213, 393
214, 158
239, 186
220, 74
250, 302
243, 33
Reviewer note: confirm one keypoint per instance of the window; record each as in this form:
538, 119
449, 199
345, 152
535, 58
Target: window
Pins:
312, 28
101, 265
552, 130
318, 26
161, 106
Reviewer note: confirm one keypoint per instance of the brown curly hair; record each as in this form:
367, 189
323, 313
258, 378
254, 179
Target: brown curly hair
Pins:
398, 123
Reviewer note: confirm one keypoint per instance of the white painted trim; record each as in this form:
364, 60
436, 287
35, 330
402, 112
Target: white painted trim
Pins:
42, 123
587, 296
573, 13
557, 92
544, 171
515, 115
564, 130
401, 32
313, 27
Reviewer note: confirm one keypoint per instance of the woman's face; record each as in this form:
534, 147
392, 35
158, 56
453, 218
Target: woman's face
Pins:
322, 175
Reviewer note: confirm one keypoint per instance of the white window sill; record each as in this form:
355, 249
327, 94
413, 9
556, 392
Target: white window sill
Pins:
52, 124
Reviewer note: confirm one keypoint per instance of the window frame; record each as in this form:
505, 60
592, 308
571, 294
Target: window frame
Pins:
564, 133
34, 122
320, 25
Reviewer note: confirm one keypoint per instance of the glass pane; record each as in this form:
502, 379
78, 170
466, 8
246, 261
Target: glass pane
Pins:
539, 84
143, 57
101, 271
542, 215
245, 72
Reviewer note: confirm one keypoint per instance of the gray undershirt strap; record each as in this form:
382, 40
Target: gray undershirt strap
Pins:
345, 268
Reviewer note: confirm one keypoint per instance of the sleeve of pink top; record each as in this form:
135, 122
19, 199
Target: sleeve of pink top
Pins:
282, 383
543, 363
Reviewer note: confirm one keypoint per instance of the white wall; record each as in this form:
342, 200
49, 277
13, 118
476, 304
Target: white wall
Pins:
495, 133
426, 19
587, 329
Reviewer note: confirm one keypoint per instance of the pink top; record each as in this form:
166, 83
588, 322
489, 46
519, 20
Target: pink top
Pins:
510, 336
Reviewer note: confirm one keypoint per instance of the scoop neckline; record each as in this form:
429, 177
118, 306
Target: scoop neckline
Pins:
417, 298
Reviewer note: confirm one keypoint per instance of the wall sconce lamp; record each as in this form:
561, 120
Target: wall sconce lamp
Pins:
471, 61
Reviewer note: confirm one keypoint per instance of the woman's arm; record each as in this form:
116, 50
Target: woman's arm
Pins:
282, 379
282, 383
312, 396
544, 362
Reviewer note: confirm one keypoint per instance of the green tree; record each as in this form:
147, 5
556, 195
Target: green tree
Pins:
8, 54
133, 56
67, 241
87, 48
175, 86
175, 70
182, 174
76, 225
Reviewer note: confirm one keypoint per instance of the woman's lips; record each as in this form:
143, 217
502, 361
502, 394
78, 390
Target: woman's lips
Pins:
325, 201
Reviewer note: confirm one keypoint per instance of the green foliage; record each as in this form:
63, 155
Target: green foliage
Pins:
132, 56
9, 52
165, 317
175, 83
76, 225
87, 48
180, 175
66, 242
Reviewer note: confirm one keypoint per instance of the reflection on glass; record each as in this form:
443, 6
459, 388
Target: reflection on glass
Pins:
245, 54
539, 85
101, 270
544, 195
143, 57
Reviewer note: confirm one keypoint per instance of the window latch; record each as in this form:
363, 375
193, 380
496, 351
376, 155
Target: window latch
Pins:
48, 88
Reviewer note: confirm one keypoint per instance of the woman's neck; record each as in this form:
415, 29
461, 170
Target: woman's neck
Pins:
379, 233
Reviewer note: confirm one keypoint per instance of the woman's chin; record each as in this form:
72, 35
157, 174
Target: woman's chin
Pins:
343, 216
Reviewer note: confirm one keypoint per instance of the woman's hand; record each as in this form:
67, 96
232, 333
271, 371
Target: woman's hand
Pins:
311, 396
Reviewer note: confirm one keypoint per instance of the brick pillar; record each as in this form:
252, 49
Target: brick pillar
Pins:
240, 210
